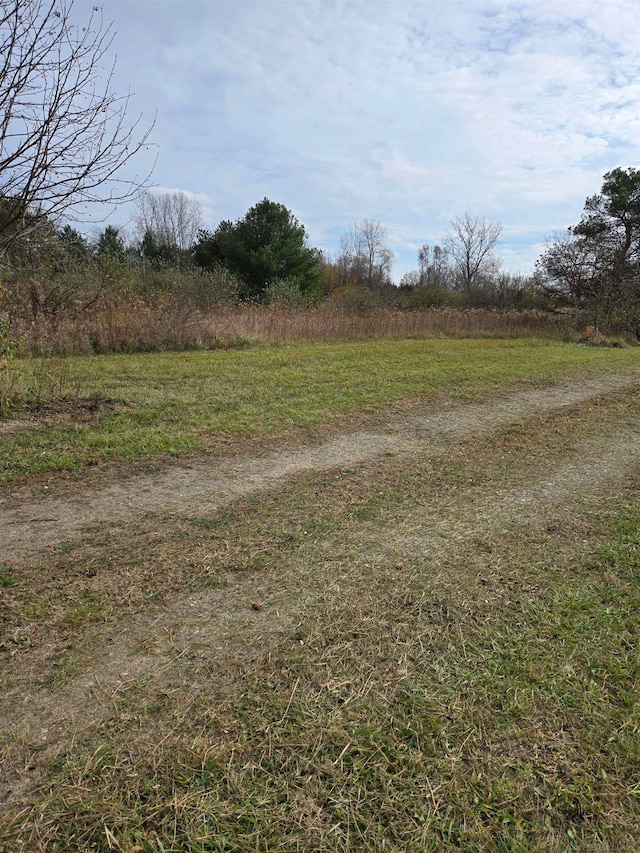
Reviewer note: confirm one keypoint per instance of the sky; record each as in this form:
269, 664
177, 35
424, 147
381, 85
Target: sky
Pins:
409, 113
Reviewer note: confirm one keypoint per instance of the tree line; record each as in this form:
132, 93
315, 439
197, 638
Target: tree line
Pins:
595, 265
65, 136
268, 256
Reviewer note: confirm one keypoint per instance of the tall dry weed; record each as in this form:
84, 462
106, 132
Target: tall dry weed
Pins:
139, 325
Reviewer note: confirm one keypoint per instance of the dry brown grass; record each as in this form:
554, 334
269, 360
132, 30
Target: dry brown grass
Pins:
117, 325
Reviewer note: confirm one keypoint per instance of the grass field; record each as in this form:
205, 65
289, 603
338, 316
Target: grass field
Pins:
145, 406
435, 649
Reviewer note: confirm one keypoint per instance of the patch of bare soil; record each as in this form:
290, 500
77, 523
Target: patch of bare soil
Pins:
61, 411
215, 634
15, 425
29, 526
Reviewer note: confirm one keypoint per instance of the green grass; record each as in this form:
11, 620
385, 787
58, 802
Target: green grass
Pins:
6, 576
411, 708
176, 403
514, 732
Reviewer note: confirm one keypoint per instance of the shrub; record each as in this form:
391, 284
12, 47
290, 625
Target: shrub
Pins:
7, 375
286, 293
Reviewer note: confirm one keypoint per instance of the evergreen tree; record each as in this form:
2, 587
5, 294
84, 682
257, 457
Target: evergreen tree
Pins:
267, 245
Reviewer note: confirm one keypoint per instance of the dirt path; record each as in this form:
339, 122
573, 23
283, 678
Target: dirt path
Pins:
217, 631
36, 525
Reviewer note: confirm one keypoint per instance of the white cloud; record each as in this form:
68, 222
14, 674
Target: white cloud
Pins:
405, 174
406, 112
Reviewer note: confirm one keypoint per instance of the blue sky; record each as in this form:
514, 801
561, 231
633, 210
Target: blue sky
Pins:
409, 113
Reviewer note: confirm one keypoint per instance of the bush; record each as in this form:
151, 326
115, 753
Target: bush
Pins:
7, 376
427, 296
70, 288
191, 285
358, 298
286, 293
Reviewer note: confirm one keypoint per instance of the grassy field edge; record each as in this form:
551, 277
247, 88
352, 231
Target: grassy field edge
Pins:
133, 410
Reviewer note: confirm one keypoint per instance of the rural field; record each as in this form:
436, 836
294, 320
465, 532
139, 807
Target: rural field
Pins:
375, 595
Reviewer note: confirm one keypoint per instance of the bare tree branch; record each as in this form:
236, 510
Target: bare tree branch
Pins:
64, 135
470, 242
173, 218
363, 256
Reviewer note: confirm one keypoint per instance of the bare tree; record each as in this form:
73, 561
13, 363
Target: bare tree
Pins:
471, 241
577, 265
64, 135
434, 268
363, 255
173, 218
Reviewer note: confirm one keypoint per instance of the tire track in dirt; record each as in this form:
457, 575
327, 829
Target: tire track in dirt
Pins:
217, 630
36, 525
